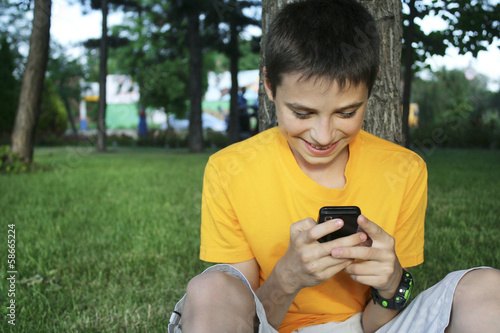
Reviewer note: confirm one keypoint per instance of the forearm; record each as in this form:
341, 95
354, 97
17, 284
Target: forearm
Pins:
276, 297
376, 316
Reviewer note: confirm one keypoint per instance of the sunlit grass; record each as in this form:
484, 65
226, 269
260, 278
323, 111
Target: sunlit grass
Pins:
108, 242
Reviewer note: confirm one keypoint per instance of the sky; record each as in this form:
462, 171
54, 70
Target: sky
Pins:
70, 27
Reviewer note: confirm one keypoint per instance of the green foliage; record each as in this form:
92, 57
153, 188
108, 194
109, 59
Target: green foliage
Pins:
11, 163
15, 26
9, 88
461, 112
66, 75
53, 117
156, 57
215, 139
250, 54
472, 26
164, 85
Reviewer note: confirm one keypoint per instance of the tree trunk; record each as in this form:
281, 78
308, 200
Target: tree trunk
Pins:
195, 120
383, 117
23, 134
103, 71
267, 111
70, 117
408, 71
234, 123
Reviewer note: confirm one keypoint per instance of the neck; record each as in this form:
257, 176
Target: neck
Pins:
329, 175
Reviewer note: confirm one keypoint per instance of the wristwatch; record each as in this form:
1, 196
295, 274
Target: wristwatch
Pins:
400, 299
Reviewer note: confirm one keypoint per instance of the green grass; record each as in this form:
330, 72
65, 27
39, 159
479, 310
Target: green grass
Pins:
462, 220
107, 242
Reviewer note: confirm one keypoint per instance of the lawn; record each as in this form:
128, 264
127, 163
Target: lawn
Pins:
107, 242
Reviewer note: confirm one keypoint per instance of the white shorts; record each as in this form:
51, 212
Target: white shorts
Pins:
429, 312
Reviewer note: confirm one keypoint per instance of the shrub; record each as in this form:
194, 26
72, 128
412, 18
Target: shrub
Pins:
215, 139
53, 117
15, 165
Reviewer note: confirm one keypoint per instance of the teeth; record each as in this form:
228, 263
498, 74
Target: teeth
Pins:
321, 148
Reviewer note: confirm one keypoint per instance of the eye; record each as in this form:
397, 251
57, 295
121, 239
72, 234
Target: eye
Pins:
301, 115
348, 114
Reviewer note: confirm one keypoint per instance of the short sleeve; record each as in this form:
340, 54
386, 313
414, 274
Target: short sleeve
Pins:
222, 239
409, 233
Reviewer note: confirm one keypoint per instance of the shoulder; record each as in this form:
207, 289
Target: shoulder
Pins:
378, 149
247, 151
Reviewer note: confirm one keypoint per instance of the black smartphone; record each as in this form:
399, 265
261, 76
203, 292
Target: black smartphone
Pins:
348, 214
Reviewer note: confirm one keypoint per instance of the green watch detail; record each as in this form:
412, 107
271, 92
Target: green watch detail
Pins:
402, 296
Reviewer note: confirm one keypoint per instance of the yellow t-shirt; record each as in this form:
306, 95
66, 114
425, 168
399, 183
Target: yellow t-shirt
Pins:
254, 191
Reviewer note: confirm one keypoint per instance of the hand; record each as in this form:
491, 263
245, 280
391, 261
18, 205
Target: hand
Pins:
307, 262
379, 266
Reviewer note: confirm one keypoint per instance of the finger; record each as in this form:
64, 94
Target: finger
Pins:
322, 266
370, 228
325, 249
303, 225
337, 267
363, 253
363, 268
385, 277
325, 228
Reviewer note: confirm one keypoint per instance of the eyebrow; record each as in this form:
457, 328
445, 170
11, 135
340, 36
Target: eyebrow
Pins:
300, 107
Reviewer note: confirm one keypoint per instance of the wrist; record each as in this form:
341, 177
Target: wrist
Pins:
401, 297
395, 281
286, 279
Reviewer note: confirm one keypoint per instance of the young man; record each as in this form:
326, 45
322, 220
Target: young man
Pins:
260, 198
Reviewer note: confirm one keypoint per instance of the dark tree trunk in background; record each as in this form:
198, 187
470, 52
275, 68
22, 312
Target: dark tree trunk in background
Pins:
195, 69
103, 71
70, 117
383, 117
23, 134
234, 123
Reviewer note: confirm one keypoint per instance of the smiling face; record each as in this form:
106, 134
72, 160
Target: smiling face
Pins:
319, 119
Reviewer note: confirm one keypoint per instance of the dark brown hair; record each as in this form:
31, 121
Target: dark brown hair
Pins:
333, 39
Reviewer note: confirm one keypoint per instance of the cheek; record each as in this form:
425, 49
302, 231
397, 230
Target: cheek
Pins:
353, 126
288, 123
292, 125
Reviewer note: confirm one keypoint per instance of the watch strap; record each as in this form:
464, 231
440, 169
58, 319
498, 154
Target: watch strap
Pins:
402, 296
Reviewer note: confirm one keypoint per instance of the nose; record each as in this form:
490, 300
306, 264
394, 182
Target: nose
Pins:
323, 132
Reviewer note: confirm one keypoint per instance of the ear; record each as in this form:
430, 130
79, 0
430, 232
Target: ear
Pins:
267, 86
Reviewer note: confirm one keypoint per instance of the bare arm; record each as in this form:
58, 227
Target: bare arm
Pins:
379, 268
274, 296
306, 263
376, 316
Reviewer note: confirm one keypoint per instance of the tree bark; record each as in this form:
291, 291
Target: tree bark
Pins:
408, 71
23, 134
267, 111
195, 120
383, 117
103, 71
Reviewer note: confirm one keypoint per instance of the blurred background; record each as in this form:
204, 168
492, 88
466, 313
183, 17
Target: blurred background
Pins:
456, 71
